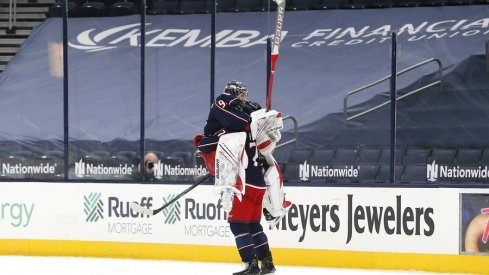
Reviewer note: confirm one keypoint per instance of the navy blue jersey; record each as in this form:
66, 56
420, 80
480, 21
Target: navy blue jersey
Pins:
254, 171
225, 117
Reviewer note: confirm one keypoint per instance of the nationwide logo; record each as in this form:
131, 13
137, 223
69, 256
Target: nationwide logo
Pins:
435, 171
172, 212
83, 169
161, 170
21, 169
432, 172
93, 207
306, 171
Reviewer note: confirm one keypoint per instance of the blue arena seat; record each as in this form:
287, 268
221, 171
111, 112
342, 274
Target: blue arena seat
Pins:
92, 9
302, 4
164, 7
369, 155
194, 6
443, 156
322, 156
468, 156
367, 173
54, 154
414, 174
290, 172
101, 154
248, 5
416, 156
384, 173
129, 155
299, 155
485, 157
385, 156
56, 10
345, 156
122, 8
225, 5
24, 154
185, 156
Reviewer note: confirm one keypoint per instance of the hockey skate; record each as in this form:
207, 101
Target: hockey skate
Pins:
250, 268
267, 266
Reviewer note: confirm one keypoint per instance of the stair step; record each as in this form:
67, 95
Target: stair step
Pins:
8, 50
20, 24
26, 10
36, 2
18, 33
5, 58
24, 16
11, 41
2, 67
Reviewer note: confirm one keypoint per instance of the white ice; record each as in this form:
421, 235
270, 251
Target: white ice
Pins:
30, 265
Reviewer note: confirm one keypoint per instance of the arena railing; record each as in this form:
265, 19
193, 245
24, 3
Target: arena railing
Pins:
12, 16
438, 82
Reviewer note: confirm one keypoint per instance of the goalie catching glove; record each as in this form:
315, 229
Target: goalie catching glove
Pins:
265, 129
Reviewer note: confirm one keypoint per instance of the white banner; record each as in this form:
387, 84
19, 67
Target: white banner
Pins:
355, 219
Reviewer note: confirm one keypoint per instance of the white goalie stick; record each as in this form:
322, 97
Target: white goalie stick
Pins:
150, 212
277, 37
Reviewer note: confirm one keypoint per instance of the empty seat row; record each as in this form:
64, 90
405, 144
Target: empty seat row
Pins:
101, 156
95, 8
448, 156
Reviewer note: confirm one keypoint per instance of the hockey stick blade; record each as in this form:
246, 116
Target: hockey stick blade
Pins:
143, 210
150, 212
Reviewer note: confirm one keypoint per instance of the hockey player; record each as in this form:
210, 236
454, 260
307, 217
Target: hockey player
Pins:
231, 151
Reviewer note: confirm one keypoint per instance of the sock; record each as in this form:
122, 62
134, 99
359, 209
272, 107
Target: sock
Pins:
260, 240
244, 241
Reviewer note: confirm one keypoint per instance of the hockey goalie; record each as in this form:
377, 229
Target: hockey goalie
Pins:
237, 146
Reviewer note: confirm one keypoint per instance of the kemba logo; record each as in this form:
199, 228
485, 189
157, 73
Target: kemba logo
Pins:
91, 41
92, 44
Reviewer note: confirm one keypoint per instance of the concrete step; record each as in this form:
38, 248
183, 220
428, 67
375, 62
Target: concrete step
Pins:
25, 10
29, 2
20, 24
11, 41
25, 16
21, 33
8, 50
5, 58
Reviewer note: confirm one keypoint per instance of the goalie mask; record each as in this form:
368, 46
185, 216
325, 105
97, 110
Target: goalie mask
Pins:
237, 89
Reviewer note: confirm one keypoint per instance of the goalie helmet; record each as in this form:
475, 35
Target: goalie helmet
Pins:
237, 89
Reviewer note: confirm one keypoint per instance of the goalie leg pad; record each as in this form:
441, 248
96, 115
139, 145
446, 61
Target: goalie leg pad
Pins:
231, 162
274, 203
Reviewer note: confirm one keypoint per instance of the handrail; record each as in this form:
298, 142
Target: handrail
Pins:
294, 140
12, 16
345, 102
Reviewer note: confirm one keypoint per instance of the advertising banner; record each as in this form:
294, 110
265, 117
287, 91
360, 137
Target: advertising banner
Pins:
352, 219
